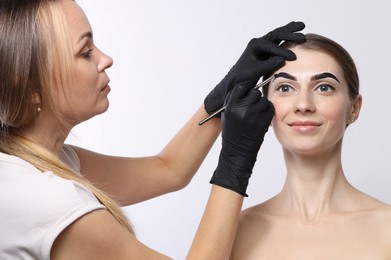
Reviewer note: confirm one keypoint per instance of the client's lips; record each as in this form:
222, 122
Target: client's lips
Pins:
304, 126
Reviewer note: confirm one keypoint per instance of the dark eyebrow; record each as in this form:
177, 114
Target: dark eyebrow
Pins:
284, 75
315, 77
324, 75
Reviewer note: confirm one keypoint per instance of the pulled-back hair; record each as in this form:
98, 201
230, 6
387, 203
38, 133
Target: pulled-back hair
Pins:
335, 50
36, 59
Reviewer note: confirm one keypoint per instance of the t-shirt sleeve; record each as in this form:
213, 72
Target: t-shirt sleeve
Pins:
71, 202
40, 208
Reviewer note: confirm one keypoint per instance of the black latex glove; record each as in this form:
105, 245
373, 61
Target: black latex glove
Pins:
261, 56
244, 123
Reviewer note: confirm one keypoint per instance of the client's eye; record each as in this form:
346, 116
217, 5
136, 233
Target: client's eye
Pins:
284, 88
325, 88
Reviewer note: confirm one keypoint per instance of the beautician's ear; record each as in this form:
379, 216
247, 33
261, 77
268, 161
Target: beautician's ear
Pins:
36, 98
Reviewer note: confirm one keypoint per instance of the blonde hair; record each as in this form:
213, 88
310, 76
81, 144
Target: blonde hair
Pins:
35, 58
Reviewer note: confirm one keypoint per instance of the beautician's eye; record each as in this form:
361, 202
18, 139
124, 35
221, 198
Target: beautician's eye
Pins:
87, 54
284, 88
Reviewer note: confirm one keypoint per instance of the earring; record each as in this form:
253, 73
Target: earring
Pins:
38, 110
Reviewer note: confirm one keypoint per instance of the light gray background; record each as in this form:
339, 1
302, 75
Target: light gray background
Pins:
169, 54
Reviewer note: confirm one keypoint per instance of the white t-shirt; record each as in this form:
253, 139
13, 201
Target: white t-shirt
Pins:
36, 207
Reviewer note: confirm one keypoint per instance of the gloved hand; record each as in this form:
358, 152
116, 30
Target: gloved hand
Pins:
261, 56
245, 121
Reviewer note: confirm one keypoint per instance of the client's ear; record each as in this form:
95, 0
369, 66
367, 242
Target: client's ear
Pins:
355, 111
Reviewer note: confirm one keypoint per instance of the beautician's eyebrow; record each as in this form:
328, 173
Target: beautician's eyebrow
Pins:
315, 77
84, 35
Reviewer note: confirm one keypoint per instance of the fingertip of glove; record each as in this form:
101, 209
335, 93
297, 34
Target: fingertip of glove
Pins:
295, 26
300, 25
300, 38
290, 56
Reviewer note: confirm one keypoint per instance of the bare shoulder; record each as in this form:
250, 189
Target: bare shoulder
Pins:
253, 224
98, 235
264, 212
374, 210
364, 224
375, 225
381, 215
254, 214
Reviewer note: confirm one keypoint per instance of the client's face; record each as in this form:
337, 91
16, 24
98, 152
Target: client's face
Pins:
311, 101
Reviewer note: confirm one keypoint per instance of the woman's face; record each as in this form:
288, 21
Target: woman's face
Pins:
312, 105
88, 96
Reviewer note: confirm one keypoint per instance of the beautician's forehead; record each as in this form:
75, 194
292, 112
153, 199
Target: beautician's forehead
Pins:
77, 21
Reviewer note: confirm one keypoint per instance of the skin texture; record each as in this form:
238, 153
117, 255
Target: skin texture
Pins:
318, 214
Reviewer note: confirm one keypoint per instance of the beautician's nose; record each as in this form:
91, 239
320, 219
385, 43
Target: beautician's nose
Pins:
304, 102
105, 61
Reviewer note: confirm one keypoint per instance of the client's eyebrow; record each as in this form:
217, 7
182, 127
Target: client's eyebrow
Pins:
324, 75
315, 77
285, 75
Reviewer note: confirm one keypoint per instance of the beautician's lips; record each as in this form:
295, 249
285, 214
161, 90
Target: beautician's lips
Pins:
106, 86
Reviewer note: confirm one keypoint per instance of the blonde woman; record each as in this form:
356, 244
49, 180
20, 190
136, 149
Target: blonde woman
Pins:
63, 202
